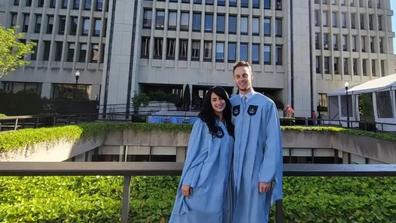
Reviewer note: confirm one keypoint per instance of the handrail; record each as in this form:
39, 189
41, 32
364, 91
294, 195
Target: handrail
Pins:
129, 169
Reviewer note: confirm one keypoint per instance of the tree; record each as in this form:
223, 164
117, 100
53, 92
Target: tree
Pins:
12, 51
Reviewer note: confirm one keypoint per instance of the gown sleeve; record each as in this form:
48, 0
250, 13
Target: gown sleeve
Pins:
273, 146
196, 154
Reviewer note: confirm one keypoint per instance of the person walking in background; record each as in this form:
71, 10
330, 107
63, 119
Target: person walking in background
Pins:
257, 159
203, 192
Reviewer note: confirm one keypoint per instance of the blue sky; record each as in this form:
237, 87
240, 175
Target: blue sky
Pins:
393, 5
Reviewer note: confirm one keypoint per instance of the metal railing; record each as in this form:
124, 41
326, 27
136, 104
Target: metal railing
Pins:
129, 169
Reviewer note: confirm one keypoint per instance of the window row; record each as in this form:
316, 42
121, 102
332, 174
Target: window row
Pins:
69, 52
85, 23
198, 47
353, 3
205, 21
267, 4
346, 44
74, 4
374, 22
349, 65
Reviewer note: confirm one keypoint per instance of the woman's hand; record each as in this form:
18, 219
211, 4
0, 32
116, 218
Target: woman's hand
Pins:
264, 187
186, 190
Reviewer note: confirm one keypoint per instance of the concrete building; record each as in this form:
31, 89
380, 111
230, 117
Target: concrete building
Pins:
300, 50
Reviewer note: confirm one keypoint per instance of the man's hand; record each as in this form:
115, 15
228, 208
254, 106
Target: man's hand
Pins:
264, 187
186, 190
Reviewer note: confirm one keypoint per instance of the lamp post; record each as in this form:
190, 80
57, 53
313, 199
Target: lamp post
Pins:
77, 76
347, 102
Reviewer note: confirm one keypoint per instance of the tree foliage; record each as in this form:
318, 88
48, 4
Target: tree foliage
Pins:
12, 51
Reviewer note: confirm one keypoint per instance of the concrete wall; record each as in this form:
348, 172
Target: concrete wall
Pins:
174, 143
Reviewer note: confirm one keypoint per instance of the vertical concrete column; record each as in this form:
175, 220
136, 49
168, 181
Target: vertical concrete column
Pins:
301, 62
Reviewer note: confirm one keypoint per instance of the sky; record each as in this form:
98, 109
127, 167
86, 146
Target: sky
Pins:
393, 6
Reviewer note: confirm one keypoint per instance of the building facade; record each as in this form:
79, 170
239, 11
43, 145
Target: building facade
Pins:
300, 50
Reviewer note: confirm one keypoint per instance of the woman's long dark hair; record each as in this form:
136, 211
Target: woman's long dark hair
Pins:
208, 115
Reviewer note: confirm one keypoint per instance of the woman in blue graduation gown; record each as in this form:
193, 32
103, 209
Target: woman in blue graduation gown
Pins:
202, 195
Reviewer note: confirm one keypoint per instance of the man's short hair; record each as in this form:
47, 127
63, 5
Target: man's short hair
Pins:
241, 63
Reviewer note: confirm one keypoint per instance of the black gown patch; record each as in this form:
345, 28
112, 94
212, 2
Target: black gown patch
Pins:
252, 109
236, 110
219, 133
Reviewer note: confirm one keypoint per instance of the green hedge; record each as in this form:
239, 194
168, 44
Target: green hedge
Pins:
24, 137
98, 199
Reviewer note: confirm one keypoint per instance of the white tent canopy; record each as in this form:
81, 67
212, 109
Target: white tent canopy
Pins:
379, 84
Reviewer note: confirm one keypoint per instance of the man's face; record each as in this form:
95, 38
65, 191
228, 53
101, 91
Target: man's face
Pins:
243, 78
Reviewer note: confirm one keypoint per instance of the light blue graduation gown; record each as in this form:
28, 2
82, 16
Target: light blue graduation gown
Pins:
257, 157
207, 171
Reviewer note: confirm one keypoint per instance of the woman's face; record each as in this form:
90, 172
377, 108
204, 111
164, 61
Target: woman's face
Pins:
218, 104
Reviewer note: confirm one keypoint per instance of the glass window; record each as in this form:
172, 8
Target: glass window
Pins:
82, 52
52, 4
73, 25
317, 41
47, 47
13, 19
221, 2
327, 65
344, 20
99, 5
325, 19
58, 50
220, 26
232, 3
318, 64
232, 24
157, 48
278, 4
76, 4
326, 41
87, 4
98, 26
256, 25
355, 66
335, 20
256, 53
335, 41
208, 22
364, 67
267, 4
244, 3
172, 20
243, 51
373, 68
384, 104
231, 51
25, 25
196, 21
147, 13
62, 23
37, 23
159, 19
145, 47
256, 4
85, 26
363, 44
195, 49
70, 51
50, 23
362, 21
219, 51
279, 54
353, 20
267, 26
317, 18
40, 3
94, 53
64, 4
267, 54
183, 49
244, 25
209, 2
336, 62
208, 50
346, 66
184, 21
278, 27
170, 49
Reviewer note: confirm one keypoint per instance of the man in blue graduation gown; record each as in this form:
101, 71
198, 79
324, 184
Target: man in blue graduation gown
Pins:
257, 163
